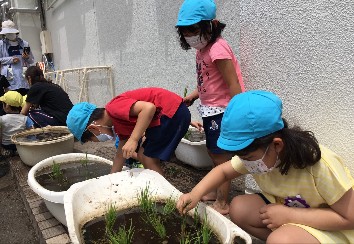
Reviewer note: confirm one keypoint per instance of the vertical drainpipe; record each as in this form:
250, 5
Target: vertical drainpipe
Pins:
41, 14
3, 10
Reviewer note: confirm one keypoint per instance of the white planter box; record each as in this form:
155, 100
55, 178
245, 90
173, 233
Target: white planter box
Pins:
34, 152
194, 153
55, 200
85, 201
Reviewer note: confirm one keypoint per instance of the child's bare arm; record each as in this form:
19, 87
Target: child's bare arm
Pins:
229, 75
211, 181
118, 160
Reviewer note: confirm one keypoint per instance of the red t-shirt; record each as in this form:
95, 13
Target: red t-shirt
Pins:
118, 108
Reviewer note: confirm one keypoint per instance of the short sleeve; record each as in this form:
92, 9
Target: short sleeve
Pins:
35, 93
238, 166
119, 107
220, 50
331, 176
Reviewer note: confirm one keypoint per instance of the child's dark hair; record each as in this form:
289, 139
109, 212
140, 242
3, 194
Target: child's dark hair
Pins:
96, 114
208, 32
301, 148
37, 75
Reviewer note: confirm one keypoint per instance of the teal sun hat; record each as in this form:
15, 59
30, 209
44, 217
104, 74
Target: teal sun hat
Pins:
78, 118
248, 116
193, 11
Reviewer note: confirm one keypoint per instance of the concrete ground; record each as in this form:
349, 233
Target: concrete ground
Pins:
24, 217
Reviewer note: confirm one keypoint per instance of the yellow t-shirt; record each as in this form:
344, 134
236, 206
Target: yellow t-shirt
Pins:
317, 186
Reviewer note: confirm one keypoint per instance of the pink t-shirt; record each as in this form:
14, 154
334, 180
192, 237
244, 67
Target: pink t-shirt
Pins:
213, 90
118, 108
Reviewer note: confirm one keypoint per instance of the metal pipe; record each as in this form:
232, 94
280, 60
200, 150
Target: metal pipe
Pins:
3, 10
24, 10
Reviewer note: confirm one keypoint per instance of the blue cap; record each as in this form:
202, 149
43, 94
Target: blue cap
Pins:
193, 11
248, 116
78, 118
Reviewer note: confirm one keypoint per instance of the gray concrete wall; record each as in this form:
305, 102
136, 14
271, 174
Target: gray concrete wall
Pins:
302, 50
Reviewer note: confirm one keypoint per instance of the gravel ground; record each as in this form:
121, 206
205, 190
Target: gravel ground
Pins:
15, 224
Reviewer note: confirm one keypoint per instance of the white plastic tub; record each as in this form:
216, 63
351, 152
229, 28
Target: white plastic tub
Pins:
55, 200
85, 201
34, 152
194, 153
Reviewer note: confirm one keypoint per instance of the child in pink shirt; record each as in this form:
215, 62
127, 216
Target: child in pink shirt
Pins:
218, 79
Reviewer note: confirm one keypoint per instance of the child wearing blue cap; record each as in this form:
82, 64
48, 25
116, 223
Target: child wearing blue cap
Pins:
307, 192
159, 113
218, 79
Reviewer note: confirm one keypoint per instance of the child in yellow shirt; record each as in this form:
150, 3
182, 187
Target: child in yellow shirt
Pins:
307, 192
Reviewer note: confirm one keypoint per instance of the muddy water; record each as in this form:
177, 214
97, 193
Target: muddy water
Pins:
41, 137
94, 231
72, 172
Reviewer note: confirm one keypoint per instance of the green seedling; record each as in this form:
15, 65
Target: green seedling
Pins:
146, 202
185, 91
123, 236
110, 218
84, 164
206, 231
158, 225
57, 173
169, 208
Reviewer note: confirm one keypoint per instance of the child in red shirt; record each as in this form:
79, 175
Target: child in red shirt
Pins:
157, 112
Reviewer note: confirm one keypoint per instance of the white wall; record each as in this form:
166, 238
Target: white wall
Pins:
302, 50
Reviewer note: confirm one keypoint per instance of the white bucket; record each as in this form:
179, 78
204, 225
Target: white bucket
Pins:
55, 200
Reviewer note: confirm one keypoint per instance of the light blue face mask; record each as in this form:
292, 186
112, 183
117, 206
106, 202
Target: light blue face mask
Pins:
105, 137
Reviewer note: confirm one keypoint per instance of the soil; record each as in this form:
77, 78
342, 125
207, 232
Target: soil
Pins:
15, 224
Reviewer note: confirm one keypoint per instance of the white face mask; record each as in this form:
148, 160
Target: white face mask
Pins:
198, 42
258, 166
11, 36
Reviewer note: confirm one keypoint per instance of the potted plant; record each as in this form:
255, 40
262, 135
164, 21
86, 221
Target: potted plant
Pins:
51, 177
192, 150
127, 191
34, 145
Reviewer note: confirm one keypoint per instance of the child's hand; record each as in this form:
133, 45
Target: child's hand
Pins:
197, 125
186, 202
189, 100
275, 215
129, 148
